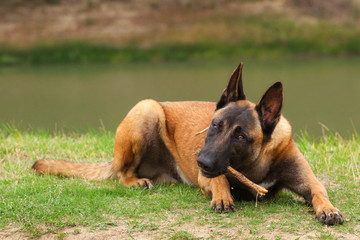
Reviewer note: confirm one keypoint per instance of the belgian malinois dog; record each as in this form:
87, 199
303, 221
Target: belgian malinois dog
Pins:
158, 142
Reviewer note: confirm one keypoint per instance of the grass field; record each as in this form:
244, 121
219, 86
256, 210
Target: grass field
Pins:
33, 206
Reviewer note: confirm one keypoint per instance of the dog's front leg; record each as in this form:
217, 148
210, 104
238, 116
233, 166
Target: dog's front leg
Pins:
219, 189
314, 192
299, 178
325, 211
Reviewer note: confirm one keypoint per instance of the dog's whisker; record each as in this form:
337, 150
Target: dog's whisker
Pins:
202, 131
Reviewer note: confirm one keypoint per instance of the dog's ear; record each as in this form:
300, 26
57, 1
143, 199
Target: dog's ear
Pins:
269, 108
234, 90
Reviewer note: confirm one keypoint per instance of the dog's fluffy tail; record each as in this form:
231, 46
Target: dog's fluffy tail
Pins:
91, 171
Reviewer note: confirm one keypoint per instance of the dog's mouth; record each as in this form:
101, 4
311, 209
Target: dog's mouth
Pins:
211, 174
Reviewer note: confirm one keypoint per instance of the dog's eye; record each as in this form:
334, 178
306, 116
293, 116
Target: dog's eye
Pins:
217, 126
240, 137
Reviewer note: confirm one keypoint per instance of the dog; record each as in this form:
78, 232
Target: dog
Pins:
160, 142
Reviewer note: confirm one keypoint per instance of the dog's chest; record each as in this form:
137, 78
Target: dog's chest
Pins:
242, 192
261, 176
268, 184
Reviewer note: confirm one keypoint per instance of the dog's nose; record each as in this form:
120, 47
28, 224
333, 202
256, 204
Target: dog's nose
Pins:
204, 164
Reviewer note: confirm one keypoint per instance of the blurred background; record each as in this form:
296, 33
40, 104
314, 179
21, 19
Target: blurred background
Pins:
77, 64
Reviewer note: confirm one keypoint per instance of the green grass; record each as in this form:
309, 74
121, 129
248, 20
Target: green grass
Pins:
36, 205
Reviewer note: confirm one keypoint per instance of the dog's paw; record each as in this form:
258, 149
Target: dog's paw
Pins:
223, 205
142, 182
330, 216
145, 183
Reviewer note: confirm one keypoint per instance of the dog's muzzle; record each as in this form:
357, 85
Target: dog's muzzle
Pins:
208, 169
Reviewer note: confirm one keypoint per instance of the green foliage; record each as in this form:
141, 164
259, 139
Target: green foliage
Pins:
78, 52
261, 37
52, 2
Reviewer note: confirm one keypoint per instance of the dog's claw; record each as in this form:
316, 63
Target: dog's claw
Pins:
230, 208
330, 217
144, 183
223, 206
219, 209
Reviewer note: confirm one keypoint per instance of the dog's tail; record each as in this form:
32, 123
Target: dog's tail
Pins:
91, 171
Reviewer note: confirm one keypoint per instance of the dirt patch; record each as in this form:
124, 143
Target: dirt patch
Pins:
172, 229
27, 23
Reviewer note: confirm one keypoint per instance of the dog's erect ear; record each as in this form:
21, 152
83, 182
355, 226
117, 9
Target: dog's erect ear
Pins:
234, 90
269, 108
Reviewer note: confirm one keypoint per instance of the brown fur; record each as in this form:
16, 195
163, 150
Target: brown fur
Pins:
157, 142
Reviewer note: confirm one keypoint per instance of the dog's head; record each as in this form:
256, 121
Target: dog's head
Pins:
239, 129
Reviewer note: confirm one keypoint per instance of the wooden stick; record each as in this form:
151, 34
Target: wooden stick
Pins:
239, 176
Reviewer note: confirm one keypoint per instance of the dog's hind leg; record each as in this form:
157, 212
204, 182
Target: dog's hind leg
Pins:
133, 138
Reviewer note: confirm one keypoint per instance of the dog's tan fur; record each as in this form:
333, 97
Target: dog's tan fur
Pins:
157, 142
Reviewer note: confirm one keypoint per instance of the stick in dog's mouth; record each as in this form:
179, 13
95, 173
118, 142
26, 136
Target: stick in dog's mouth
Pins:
239, 176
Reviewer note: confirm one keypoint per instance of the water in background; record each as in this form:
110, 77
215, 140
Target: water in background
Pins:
317, 91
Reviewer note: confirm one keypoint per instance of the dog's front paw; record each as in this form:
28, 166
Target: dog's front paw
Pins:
223, 205
330, 216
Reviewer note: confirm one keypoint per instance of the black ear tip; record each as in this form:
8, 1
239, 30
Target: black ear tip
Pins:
239, 67
277, 85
